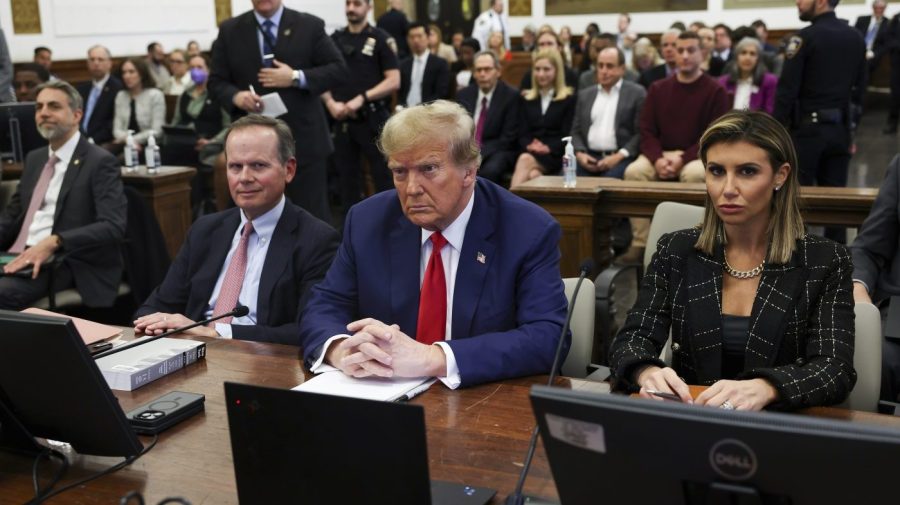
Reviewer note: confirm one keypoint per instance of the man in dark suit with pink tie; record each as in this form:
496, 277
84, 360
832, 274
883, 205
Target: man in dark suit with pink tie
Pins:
449, 275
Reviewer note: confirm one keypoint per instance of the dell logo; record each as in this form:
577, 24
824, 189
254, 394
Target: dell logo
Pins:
733, 459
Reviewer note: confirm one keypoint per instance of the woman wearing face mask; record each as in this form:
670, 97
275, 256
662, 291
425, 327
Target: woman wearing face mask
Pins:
747, 82
197, 108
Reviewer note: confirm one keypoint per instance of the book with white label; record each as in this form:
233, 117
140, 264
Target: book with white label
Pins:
336, 383
135, 367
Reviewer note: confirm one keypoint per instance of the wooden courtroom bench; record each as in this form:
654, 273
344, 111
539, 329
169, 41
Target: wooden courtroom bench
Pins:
585, 212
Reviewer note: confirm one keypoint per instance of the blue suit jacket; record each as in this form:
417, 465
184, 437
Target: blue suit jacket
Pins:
508, 310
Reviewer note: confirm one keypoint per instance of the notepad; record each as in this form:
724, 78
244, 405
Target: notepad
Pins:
273, 105
90, 331
370, 388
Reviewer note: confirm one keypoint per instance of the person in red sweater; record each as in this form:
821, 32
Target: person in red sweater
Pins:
677, 111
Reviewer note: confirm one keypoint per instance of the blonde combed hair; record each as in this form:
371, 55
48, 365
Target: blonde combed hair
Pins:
785, 221
430, 123
560, 90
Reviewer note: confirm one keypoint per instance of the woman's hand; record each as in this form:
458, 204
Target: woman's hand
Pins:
753, 394
665, 380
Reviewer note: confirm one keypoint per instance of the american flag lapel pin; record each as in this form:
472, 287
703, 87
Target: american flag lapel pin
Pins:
481, 258
287, 33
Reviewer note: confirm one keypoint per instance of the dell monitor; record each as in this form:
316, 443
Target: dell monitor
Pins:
51, 388
18, 131
617, 449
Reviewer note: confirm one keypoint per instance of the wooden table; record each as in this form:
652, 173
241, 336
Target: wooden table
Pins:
168, 193
475, 435
585, 212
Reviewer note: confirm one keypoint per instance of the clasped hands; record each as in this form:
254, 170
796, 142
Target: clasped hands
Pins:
668, 166
592, 164
377, 349
751, 394
343, 110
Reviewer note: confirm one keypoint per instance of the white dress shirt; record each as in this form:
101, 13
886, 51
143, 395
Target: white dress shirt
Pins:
546, 98
455, 233
482, 95
257, 248
42, 224
742, 93
602, 133
414, 97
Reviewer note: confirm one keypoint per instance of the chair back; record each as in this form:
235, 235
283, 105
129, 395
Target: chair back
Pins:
669, 217
582, 328
7, 188
866, 359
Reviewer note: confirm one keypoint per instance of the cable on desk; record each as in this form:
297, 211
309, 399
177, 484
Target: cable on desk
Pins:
48, 453
38, 499
140, 499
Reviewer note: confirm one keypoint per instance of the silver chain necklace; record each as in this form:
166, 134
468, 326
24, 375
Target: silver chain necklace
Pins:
743, 274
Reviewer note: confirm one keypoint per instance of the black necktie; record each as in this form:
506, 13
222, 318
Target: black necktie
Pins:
132, 119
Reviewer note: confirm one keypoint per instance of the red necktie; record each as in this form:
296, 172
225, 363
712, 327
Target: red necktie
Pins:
234, 278
37, 200
482, 118
433, 297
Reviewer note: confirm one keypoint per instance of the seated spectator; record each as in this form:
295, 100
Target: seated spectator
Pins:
26, 79
545, 118
181, 78
424, 77
548, 40
529, 39
712, 65
461, 70
627, 47
667, 43
203, 112
99, 96
193, 48
644, 56
495, 45
748, 84
757, 309
566, 42
762, 33
876, 269
696, 26
676, 112
437, 46
140, 107
450, 275
265, 254
156, 64
588, 78
43, 56
605, 129
722, 47
494, 105
590, 31
457, 39
68, 201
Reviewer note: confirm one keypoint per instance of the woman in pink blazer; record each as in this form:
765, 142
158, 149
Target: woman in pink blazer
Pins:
747, 81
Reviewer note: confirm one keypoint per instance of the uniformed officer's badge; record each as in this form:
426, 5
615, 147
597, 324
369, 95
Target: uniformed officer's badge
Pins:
369, 48
793, 46
392, 44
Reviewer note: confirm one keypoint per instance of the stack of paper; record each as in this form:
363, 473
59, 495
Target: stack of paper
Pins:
370, 388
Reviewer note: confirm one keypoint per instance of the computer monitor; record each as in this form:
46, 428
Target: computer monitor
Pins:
618, 449
297, 447
51, 388
18, 131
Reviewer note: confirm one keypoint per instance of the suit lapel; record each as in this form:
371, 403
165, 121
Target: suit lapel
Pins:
703, 309
72, 171
621, 104
586, 111
286, 30
475, 260
249, 37
405, 249
277, 257
779, 289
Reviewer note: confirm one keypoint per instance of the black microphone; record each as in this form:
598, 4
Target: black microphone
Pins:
587, 265
239, 311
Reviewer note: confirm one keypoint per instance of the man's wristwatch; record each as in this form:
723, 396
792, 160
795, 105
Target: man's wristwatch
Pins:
296, 77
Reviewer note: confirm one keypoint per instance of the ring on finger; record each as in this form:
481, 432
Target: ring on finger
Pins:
726, 405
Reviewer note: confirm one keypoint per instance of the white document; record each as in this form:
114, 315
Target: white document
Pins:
273, 105
370, 388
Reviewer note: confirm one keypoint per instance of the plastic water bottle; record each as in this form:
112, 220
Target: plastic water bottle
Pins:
568, 164
151, 155
130, 152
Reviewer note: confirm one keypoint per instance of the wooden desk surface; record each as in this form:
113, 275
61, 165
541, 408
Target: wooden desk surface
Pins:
476, 435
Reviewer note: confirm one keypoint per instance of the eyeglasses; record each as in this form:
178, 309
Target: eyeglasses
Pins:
177, 61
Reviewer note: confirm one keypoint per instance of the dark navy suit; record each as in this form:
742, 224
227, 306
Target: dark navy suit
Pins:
301, 250
508, 310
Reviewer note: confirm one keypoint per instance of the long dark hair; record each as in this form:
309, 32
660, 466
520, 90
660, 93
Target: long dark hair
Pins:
140, 65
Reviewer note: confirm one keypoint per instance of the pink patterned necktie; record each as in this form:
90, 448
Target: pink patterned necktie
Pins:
482, 118
234, 278
37, 200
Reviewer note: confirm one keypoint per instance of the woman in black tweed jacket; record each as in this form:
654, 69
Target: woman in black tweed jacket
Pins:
758, 310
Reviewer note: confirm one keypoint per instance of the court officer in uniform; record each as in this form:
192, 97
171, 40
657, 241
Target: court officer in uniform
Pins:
361, 105
819, 95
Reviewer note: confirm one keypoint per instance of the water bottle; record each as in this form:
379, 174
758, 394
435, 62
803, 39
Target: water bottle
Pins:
130, 152
568, 164
151, 155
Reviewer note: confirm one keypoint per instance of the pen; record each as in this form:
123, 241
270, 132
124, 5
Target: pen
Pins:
416, 391
667, 396
254, 92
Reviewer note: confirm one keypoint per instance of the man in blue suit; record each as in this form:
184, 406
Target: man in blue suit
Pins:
264, 254
449, 276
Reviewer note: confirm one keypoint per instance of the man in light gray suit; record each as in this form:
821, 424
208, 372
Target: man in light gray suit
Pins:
605, 131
